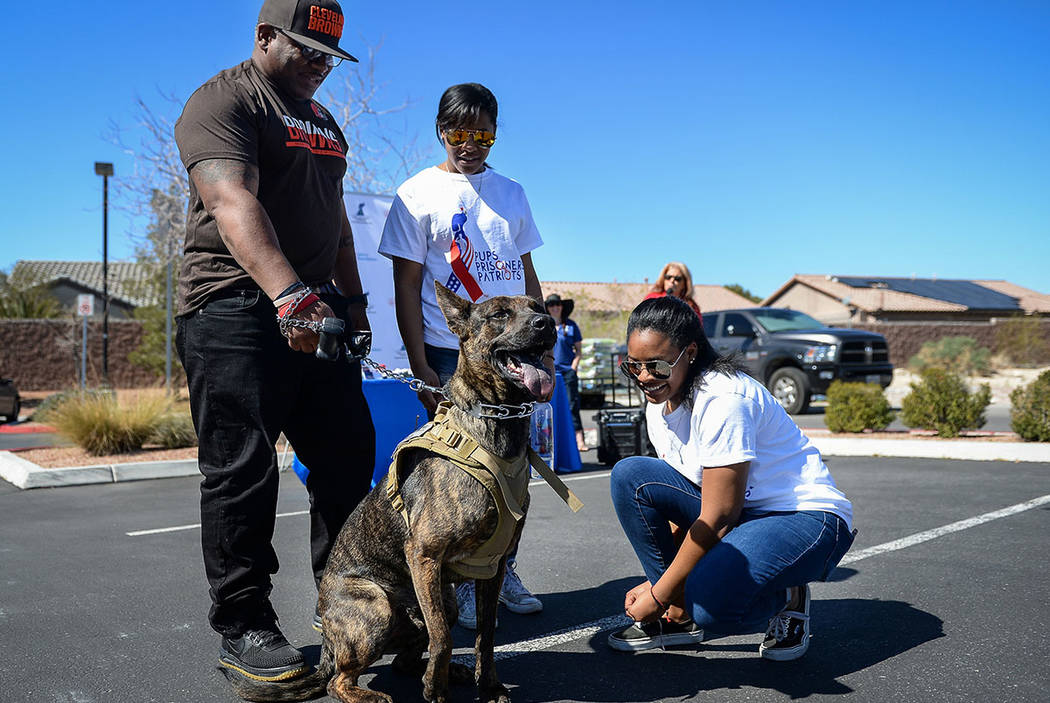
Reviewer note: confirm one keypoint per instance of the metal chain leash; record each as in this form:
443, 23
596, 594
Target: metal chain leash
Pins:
481, 410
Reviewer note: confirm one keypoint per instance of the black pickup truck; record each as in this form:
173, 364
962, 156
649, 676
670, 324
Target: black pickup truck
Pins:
796, 356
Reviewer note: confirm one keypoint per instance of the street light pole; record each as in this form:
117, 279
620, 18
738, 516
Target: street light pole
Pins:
105, 170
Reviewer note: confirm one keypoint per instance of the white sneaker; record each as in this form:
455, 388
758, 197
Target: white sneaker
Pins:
515, 596
467, 602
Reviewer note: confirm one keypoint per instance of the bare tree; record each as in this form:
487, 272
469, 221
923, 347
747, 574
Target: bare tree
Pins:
379, 156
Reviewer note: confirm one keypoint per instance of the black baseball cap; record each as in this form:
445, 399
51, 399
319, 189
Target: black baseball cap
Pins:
317, 24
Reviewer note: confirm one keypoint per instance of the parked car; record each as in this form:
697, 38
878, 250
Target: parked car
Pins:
10, 401
796, 356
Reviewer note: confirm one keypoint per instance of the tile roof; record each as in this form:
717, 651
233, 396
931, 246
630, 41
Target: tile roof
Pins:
599, 296
126, 278
873, 293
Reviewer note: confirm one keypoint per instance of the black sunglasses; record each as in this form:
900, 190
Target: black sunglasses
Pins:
658, 368
313, 55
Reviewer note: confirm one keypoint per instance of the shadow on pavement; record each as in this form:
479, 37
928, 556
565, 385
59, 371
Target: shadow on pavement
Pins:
850, 635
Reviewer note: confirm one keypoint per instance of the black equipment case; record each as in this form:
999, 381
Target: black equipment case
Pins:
621, 429
622, 433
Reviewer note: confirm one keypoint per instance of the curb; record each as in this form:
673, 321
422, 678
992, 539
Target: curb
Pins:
25, 474
933, 449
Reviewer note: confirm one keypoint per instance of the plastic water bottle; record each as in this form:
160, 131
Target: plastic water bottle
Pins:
542, 434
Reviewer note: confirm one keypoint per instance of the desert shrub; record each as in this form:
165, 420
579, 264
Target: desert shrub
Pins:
99, 425
855, 407
959, 355
174, 431
1030, 414
941, 401
1022, 340
44, 410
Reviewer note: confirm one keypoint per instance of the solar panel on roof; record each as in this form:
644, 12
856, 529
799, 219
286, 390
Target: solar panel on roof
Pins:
968, 293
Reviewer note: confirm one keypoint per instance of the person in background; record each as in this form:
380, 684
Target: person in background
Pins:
268, 250
567, 354
736, 514
676, 281
464, 225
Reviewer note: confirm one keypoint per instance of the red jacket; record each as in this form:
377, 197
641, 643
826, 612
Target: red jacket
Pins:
693, 305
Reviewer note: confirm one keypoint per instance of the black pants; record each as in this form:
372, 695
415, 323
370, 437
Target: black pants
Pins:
246, 387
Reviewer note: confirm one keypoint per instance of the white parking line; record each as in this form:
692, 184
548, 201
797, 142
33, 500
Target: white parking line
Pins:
920, 537
580, 632
195, 526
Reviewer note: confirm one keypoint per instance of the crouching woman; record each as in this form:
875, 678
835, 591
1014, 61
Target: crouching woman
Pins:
737, 515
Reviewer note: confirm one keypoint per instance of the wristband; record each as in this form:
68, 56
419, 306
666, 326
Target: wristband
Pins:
288, 291
663, 608
357, 299
300, 302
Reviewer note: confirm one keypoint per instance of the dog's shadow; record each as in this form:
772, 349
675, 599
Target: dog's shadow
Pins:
850, 635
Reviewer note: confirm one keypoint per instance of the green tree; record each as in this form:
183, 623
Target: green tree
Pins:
740, 290
26, 300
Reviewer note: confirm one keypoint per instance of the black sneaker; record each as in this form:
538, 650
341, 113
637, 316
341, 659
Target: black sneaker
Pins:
263, 654
787, 637
658, 633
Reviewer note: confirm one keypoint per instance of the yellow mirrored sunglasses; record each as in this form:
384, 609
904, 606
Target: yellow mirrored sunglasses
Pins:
481, 137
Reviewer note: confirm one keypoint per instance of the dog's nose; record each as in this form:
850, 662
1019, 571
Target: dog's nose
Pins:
543, 322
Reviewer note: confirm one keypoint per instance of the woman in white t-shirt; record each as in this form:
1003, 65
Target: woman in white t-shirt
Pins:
736, 514
469, 228
460, 224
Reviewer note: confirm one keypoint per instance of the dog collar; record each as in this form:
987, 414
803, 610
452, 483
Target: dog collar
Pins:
501, 412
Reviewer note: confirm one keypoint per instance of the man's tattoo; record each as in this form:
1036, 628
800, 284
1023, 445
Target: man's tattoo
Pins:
216, 171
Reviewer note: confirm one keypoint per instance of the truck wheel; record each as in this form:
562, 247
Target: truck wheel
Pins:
788, 386
13, 417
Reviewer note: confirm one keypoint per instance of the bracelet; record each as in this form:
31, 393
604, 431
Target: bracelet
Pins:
663, 608
288, 291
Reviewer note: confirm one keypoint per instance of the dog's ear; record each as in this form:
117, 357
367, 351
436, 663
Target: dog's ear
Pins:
456, 309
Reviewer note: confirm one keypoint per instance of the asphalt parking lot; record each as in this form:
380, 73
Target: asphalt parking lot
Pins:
944, 597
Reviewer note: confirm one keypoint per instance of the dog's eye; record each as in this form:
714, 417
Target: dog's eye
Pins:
500, 315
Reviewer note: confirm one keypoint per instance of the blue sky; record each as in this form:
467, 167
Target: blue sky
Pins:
752, 140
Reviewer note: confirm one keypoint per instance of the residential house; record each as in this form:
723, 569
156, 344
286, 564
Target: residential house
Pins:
128, 283
853, 300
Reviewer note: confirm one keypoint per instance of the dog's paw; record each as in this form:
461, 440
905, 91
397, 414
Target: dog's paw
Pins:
460, 674
494, 694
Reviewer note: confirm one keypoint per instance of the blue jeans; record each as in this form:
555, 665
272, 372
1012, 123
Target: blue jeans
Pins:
742, 581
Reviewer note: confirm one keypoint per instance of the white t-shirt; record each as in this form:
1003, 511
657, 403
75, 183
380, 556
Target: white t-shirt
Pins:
469, 232
735, 419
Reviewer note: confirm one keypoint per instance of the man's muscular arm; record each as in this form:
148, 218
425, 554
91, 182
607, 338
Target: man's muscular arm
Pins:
228, 190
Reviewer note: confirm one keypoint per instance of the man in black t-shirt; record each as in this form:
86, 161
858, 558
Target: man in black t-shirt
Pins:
267, 237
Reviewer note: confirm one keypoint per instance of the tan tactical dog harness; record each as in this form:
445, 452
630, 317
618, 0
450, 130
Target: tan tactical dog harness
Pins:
507, 482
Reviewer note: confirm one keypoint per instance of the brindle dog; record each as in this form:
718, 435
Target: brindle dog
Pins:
387, 589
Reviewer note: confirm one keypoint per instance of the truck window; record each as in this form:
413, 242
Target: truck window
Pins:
736, 325
710, 324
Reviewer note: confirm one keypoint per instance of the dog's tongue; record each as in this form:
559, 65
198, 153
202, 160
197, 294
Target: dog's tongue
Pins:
538, 380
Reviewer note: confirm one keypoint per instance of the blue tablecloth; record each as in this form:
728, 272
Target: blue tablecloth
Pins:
397, 412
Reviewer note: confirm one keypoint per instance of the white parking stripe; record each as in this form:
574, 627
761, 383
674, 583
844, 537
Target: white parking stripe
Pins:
180, 528
508, 651
579, 632
195, 526
920, 537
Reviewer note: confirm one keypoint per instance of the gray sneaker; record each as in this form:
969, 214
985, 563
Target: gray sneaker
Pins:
515, 596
